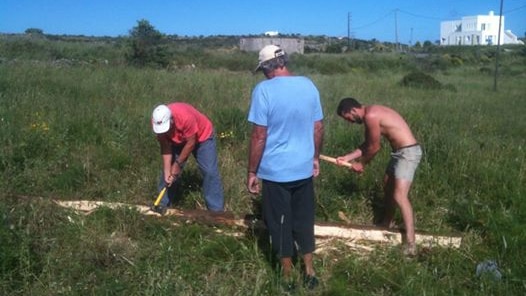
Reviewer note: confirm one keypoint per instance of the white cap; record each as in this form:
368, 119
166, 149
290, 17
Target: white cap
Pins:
269, 52
161, 117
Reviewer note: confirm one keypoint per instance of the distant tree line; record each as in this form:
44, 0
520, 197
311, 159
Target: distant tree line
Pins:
145, 46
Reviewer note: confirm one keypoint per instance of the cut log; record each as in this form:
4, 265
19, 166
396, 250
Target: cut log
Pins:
349, 232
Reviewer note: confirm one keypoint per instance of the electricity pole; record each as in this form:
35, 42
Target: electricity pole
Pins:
498, 48
396, 29
349, 31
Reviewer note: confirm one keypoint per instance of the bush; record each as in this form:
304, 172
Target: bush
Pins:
420, 80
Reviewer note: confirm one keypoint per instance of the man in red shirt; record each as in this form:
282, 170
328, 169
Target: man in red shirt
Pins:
182, 130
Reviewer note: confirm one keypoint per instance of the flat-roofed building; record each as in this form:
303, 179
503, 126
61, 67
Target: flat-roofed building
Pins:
476, 30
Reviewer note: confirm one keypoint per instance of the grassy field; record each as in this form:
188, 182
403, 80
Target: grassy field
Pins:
82, 131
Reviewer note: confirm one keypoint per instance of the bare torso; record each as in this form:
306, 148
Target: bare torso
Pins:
391, 125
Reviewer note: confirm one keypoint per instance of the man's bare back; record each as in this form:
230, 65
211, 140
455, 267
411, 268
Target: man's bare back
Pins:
391, 125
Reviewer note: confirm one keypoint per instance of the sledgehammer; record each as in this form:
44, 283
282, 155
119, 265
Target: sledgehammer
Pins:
156, 208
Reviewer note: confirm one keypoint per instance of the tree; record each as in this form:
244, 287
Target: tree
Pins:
34, 32
147, 45
428, 44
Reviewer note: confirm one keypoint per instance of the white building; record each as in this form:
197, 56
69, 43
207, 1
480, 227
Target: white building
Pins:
271, 33
476, 30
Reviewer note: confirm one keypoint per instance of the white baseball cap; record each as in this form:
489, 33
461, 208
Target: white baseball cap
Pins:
161, 117
269, 52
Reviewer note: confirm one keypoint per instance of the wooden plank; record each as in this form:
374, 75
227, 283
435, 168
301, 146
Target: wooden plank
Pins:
349, 232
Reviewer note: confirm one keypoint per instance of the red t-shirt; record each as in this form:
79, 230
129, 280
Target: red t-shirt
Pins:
188, 122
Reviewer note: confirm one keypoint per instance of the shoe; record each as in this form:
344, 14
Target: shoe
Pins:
310, 282
289, 287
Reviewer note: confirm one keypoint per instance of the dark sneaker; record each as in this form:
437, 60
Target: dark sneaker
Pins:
289, 287
310, 282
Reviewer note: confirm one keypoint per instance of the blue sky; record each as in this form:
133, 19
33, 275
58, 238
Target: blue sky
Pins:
416, 20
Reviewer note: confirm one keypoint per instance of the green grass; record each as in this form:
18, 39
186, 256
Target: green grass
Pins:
82, 132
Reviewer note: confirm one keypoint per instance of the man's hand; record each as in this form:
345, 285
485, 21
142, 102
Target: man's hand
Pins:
358, 167
341, 160
316, 167
170, 180
175, 170
252, 183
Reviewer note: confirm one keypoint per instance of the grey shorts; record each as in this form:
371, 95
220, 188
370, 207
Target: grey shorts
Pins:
404, 162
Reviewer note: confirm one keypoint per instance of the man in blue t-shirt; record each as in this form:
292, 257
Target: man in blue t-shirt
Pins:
287, 134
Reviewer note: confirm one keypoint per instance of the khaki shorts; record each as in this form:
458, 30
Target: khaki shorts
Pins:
404, 162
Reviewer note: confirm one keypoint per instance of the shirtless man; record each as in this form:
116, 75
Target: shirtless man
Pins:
406, 153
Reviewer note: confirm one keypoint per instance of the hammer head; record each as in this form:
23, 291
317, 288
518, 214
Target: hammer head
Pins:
160, 209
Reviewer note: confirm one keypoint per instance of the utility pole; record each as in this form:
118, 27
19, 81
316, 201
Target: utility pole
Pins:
349, 31
498, 49
396, 29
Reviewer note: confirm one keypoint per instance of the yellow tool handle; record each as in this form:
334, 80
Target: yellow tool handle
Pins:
158, 200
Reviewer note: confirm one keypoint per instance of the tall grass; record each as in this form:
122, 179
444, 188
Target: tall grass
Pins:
83, 132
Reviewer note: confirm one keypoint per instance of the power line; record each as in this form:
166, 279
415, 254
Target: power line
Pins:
440, 19
374, 22
388, 15
420, 16
515, 9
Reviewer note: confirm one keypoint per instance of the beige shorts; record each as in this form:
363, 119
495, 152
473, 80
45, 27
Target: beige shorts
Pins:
404, 162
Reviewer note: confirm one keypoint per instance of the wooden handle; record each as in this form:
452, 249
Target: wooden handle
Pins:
334, 161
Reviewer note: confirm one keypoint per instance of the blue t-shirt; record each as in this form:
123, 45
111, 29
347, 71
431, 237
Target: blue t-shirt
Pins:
287, 106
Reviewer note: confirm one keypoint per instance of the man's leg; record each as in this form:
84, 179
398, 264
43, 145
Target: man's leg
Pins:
303, 207
400, 196
278, 219
405, 163
206, 156
389, 202
309, 268
286, 267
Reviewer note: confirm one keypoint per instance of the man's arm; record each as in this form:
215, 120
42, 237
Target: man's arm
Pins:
373, 134
166, 154
350, 156
188, 147
258, 139
318, 143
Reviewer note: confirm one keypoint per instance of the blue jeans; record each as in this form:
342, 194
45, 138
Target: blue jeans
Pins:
205, 154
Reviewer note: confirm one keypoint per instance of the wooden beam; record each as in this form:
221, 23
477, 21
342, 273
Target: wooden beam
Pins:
349, 232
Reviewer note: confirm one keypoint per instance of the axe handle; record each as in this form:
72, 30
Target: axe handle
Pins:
160, 196
333, 160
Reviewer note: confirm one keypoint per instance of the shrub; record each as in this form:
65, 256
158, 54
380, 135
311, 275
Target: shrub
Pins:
420, 80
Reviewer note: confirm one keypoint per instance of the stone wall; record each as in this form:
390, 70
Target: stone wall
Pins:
290, 45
